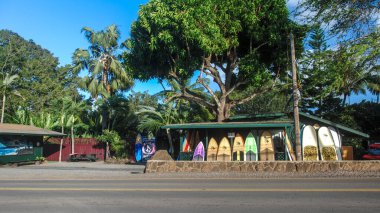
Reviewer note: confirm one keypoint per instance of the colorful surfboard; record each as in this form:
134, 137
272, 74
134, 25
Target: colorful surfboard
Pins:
199, 152
186, 142
138, 148
238, 148
212, 150
224, 150
326, 145
309, 144
266, 147
337, 142
148, 148
250, 148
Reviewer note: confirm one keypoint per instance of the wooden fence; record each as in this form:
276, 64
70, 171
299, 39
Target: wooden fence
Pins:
81, 146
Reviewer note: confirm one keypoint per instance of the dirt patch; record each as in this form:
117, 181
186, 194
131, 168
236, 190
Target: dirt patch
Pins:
162, 155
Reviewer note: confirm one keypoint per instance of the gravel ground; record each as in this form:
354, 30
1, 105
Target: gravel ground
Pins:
101, 170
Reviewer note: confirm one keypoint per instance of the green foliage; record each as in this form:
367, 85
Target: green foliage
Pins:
354, 65
327, 75
121, 118
316, 76
270, 102
40, 158
113, 139
40, 80
355, 26
106, 73
137, 99
43, 120
236, 43
345, 17
362, 116
152, 119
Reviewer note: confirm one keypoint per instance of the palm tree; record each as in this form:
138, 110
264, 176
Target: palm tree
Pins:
6, 88
44, 120
106, 72
73, 118
352, 71
21, 116
152, 120
374, 86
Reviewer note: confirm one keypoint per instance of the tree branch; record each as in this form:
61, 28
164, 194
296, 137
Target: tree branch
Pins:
252, 96
215, 74
236, 86
188, 95
210, 91
231, 64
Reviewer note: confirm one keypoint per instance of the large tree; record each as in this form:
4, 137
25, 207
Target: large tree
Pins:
353, 69
355, 27
239, 44
107, 75
40, 80
317, 76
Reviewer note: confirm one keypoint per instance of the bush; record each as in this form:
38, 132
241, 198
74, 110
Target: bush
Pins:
117, 146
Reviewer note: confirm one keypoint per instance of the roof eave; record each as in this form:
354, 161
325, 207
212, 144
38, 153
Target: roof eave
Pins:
339, 126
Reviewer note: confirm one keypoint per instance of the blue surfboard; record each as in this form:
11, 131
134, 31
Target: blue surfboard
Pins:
138, 148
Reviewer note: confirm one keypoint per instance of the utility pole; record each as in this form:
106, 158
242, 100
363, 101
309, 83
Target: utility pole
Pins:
296, 96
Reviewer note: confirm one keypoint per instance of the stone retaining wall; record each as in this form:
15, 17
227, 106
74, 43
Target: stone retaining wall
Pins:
156, 166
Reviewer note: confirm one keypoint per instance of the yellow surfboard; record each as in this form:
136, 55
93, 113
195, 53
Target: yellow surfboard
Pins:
224, 151
212, 150
266, 147
238, 148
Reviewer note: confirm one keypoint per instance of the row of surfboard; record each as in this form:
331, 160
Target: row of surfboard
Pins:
241, 150
325, 146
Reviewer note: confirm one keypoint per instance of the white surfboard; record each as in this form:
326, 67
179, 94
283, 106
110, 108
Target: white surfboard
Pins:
309, 144
337, 142
326, 144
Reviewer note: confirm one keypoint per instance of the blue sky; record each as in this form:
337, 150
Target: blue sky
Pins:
56, 25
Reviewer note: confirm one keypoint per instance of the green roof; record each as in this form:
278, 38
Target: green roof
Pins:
338, 126
226, 125
17, 129
274, 120
257, 117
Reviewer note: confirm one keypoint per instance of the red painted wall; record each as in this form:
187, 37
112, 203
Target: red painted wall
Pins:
82, 146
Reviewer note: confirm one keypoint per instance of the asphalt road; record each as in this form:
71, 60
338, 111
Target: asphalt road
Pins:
149, 193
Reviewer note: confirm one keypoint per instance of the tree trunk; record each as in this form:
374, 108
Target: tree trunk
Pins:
72, 139
296, 96
60, 146
221, 110
170, 142
104, 119
378, 95
107, 155
3, 108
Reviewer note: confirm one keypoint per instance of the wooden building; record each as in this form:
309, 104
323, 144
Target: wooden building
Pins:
22, 143
278, 124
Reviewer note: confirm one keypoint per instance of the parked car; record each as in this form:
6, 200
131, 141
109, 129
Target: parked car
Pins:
373, 152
